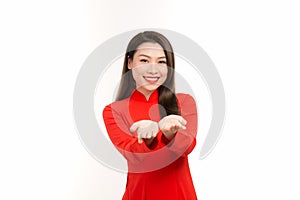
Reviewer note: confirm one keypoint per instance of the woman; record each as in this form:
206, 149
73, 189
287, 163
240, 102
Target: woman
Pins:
151, 126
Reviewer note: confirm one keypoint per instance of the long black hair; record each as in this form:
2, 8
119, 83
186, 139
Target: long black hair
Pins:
167, 97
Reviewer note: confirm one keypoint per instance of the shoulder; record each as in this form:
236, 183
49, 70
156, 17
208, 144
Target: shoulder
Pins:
117, 106
185, 98
186, 103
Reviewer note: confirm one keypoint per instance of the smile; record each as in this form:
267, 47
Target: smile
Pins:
151, 79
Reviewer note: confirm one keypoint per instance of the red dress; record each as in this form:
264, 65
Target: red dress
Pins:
159, 171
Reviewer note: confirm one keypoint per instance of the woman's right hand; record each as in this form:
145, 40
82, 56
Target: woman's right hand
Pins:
145, 129
170, 124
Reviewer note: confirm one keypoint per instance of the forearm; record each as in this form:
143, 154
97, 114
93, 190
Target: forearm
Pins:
182, 140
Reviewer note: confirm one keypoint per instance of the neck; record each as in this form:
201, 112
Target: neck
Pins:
147, 93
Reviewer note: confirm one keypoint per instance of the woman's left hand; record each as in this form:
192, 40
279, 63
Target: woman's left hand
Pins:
146, 129
170, 124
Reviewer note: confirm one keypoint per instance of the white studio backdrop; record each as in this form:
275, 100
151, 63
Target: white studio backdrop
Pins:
254, 45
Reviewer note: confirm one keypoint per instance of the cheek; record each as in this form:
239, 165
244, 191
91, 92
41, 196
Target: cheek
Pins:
136, 74
164, 72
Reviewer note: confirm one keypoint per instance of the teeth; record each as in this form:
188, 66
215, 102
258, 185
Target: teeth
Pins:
151, 78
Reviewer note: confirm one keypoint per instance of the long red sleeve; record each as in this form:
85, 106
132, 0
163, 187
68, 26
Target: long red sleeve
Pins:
185, 140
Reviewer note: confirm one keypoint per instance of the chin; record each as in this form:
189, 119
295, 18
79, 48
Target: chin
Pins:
152, 87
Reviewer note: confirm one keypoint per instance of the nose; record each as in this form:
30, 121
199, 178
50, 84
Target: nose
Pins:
152, 69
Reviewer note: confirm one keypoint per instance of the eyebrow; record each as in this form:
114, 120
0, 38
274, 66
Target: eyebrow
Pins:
150, 56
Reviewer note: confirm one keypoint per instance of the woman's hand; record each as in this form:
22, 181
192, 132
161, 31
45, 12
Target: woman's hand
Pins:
145, 129
170, 124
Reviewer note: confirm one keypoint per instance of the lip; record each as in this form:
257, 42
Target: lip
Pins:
151, 79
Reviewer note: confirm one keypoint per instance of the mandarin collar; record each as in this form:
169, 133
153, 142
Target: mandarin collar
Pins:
138, 96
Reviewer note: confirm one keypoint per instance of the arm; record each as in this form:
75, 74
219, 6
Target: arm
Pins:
121, 137
184, 140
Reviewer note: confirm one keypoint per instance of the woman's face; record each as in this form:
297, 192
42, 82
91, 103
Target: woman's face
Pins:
149, 67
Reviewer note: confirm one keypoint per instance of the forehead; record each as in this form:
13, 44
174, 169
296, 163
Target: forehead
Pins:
150, 49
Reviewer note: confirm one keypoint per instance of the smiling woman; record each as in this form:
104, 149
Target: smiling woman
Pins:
149, 67
150, 125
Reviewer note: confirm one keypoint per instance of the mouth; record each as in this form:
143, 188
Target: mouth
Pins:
151, 79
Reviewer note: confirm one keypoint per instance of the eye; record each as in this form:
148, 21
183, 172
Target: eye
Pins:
162, 62
143, 60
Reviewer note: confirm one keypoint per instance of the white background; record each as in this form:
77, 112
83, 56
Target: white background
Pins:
254, 44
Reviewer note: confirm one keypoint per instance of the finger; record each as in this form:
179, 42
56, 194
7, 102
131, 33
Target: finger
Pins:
149, 134
134, 127
183, 121
175, 128
180, 126
140, 140
179, 118
155, 132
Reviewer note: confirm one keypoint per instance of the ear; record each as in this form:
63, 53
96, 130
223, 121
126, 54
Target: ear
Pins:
129, 64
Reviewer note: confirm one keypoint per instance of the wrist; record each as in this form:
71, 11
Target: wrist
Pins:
169, 135
159, 125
